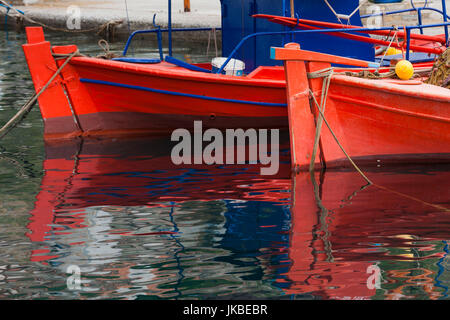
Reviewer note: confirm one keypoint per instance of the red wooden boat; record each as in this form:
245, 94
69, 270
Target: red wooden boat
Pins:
375, 121
97, 96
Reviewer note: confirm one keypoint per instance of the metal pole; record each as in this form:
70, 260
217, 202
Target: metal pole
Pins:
444, 9
408, 42
170, 27
419, 17
292, 16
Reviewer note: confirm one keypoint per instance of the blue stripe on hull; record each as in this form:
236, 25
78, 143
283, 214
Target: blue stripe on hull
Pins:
181, 94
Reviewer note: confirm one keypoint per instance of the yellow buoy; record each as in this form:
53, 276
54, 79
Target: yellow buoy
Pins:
404, 69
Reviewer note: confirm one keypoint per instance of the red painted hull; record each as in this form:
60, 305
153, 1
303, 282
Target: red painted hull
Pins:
375, 121
97, 97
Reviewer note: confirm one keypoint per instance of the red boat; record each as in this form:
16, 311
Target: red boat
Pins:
95, 96
374, 121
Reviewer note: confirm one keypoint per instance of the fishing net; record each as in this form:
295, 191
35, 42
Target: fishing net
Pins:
440, 74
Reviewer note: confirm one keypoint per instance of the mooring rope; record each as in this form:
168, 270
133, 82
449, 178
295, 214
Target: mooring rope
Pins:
326, 74
102, 43
318, 133
21, 170
26, 108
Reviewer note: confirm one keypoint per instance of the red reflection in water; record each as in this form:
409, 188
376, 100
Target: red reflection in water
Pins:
340, 227
137, 172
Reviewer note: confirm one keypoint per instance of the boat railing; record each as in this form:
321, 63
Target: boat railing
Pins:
159, 31
408, 30
419, 10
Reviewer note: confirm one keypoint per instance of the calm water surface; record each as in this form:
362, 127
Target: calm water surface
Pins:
138, 227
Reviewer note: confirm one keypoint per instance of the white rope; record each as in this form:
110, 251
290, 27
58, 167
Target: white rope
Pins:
357, 9
332, 9
345, 16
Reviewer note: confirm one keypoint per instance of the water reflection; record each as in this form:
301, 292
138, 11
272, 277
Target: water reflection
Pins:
342, 227
139, 227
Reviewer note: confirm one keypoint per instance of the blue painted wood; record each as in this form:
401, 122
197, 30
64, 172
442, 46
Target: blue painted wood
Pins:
318, 10
137, 60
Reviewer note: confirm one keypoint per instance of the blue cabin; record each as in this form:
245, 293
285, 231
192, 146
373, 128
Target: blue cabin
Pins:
237, 22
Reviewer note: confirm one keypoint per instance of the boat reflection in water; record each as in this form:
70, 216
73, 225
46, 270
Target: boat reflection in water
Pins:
345, 234
138, 226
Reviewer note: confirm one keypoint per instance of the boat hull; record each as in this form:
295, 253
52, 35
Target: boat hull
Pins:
380, 121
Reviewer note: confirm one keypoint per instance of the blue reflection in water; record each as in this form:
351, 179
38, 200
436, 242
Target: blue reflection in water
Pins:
441, 271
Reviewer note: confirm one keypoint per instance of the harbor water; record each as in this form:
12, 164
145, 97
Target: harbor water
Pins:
117, 214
